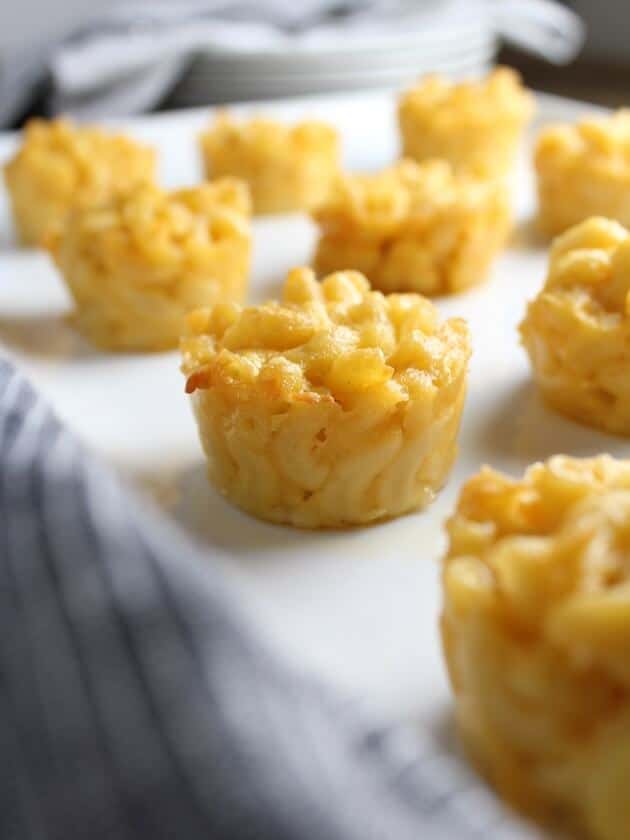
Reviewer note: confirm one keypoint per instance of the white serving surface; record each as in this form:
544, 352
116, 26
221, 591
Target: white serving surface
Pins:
358, 607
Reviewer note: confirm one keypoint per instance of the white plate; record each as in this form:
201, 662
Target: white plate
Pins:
396, 58
224, 80
359, 608
201, 88
417, 58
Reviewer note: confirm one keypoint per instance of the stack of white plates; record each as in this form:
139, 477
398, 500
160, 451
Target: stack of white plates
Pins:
390, 48
455, 37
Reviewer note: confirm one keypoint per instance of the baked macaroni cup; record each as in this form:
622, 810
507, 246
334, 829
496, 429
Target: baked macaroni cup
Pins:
60, 166
577, 330
139, 263
536, 634
475, 125
413, 227
583, 170
287, 168
338, 406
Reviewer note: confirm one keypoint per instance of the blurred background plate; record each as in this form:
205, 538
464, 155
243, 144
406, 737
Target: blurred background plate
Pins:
458, 38
449, 36
207, 82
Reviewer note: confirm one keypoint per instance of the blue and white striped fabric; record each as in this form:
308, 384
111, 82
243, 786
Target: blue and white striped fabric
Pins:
136, 703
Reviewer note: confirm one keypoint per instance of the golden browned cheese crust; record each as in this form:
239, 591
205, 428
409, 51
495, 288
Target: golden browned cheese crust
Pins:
287, 168
337, 406
139, 263
583, 170
474, 125
59, 166
536, 634
413, 227
577, 330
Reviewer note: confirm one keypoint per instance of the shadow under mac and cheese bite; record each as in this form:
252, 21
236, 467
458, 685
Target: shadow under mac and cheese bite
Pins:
138, 264
536, 634
413, 228
60, 166
577, 330
474, 125
337, 406
583, 170
287, 167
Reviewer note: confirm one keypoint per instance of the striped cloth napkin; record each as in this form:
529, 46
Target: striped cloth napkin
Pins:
136, 701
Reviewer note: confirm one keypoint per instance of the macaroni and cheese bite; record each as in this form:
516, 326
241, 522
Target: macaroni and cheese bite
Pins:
337, 406
413, 227
577, 330
536, 634
474, 125
287, 167
60, 166
583, 170
139, 263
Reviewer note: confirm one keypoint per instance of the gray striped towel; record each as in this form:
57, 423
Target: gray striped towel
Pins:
136, 701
